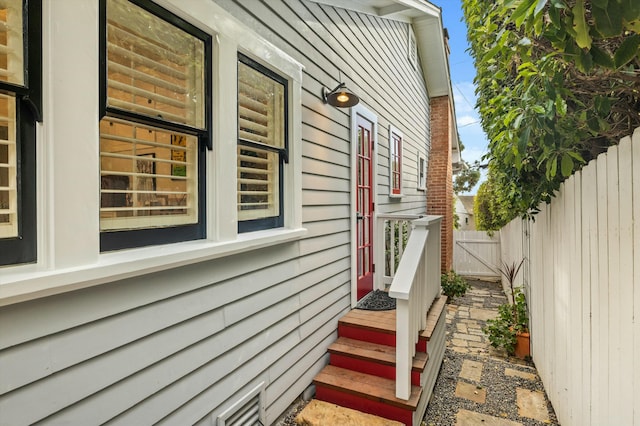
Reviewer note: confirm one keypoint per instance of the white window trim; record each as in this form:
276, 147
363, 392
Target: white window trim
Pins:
69, 255
422, 159
394, 130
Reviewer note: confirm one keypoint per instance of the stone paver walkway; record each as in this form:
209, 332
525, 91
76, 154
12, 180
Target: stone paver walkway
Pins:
477, 384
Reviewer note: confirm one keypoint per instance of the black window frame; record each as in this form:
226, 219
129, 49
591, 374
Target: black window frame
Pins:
123, 239
283, 153
28, 97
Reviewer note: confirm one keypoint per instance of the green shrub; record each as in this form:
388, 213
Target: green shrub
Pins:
453, 285
511, 320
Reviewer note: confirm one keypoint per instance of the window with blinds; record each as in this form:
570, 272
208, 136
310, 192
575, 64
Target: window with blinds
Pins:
8, 172
153, 68
155, 111
11, 71
262, 145
395, 161
147, 177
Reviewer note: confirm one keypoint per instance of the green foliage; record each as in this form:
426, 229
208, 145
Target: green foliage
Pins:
399, 231
511, 320
492, 207
500, 332
453, 285
466, 179
557, 83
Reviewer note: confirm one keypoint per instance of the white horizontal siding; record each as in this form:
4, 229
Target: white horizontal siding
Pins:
181, 346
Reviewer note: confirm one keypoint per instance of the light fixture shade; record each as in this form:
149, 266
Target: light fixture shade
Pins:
340, 97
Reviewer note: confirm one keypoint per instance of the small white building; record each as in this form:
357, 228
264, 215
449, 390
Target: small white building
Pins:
464, 211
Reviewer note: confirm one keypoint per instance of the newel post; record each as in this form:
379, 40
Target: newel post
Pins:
403, 357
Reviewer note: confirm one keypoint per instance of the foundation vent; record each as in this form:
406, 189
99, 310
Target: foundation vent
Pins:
248, 411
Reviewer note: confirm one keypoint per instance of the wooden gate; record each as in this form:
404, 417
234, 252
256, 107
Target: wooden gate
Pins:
476, 254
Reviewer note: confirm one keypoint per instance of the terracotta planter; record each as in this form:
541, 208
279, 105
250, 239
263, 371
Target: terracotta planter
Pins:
522, 345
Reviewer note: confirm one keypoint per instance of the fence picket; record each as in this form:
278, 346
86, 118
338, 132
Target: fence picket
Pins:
636, 276
625, 300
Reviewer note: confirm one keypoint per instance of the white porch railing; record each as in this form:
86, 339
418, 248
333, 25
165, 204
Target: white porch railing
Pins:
393, 230
415, 285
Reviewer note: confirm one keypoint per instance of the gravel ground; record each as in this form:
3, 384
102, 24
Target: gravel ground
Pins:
501, 392
289, 417
500, 388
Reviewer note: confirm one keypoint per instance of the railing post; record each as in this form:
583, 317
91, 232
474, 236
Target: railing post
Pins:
403, 356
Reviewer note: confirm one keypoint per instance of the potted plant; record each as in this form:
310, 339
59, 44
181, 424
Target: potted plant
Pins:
510, 329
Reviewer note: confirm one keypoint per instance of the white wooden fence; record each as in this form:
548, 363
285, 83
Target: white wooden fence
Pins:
584, 290
476, 254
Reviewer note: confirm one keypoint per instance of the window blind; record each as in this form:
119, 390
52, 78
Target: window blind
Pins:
261, 140
153, 67
11, 42
148, 176
11, 71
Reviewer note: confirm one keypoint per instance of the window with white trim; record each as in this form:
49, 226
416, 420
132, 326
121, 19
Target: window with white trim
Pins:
262, 146
395, 162
20, 108
155, 125
422, 172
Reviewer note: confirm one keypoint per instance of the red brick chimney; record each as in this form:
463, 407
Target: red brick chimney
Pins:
440, 176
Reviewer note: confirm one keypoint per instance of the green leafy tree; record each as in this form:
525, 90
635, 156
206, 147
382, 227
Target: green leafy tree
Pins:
491, 208
466, 179
557, 82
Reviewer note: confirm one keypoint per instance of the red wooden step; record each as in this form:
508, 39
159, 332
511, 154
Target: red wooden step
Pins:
372, 358
374, 327
366, 393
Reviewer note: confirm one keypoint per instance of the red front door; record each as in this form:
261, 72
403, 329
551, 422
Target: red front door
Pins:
364, 206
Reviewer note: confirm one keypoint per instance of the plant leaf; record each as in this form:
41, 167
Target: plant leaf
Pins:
541, 4
627, 50
602, 58
608, 21
567, 165
583, 39
561, 106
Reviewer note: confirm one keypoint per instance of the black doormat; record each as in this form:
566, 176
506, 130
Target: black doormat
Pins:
377, 301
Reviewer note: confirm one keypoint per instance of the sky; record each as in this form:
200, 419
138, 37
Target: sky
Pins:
462, 75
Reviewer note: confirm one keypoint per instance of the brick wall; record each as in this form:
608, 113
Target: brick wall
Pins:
440, 176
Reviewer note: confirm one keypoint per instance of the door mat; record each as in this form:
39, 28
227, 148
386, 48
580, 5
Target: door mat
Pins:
377, 300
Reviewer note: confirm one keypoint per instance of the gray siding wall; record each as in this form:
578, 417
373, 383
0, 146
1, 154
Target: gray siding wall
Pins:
179, 347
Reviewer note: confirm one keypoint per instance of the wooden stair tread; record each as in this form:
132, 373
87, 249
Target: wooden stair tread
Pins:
381, 354
366, 386
381, 321
435, 311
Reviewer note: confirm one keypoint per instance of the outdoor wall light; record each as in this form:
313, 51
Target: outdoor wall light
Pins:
340, 97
